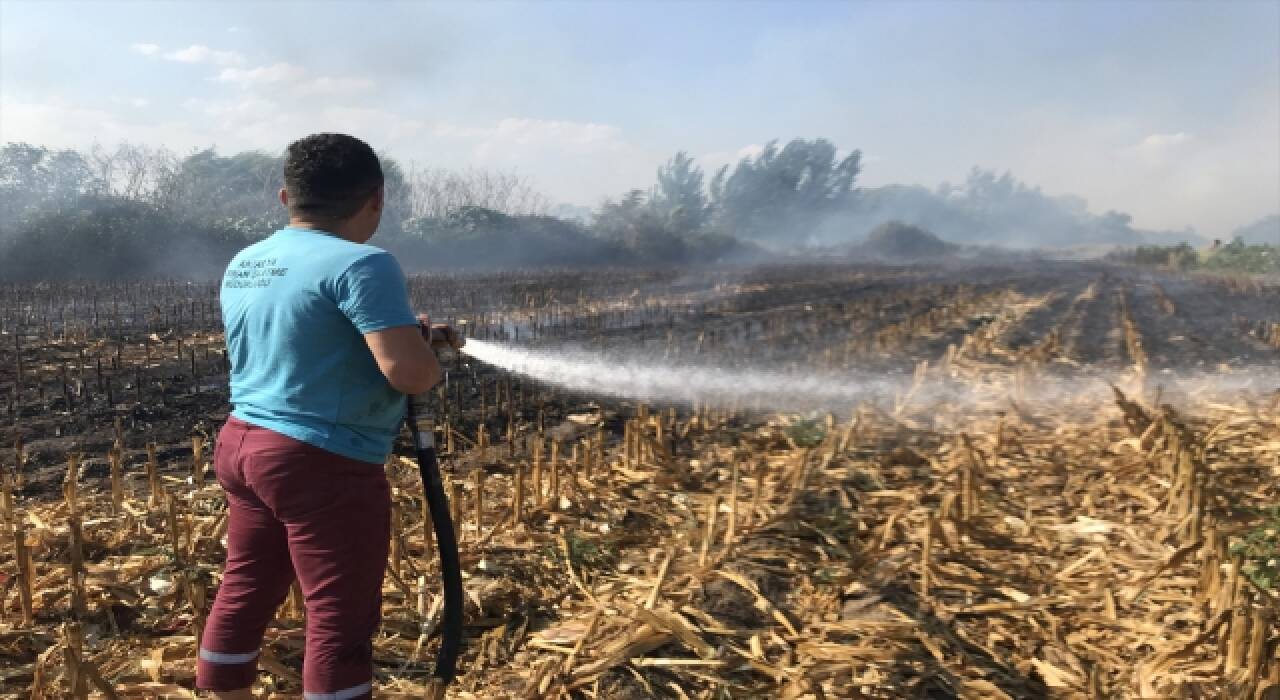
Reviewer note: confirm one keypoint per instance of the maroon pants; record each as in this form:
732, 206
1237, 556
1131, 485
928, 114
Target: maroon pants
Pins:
297, 511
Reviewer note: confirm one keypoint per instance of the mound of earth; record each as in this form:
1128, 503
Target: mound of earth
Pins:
895, 240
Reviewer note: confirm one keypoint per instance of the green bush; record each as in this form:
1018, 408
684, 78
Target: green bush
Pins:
1260, 548
1234, 257
807, 433
1237, 256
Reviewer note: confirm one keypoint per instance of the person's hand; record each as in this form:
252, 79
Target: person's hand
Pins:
440, 334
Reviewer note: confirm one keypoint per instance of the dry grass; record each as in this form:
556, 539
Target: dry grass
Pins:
993, 544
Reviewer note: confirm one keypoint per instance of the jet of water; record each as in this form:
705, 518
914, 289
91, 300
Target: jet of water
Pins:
632, 376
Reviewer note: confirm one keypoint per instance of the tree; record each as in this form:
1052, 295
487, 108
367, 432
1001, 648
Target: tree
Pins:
397, 198
679, 196
637, 225
237, 191
782, 195
1009, 211
435, 193
130, 171
616, 219
35, 179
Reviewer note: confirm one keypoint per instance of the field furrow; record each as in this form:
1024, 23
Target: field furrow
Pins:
1013, 498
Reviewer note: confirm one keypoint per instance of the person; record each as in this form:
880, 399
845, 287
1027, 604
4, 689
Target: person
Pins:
323, 348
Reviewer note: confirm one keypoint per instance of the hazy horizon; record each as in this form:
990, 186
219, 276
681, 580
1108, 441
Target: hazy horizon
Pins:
1167, 111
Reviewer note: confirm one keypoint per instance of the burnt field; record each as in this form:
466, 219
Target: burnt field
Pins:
1065, 487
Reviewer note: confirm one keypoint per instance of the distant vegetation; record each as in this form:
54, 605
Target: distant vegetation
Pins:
1263, 231
472, 237
136, 211
1177, 257
988, 209
1234, 257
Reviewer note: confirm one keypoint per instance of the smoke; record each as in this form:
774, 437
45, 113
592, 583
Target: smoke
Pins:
990, 210
630, 376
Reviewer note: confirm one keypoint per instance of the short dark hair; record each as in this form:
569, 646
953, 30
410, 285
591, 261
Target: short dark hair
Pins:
330, 176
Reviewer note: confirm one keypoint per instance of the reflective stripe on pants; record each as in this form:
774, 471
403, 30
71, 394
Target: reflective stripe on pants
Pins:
352, 692
219, 657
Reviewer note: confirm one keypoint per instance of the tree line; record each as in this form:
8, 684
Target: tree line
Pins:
138, 211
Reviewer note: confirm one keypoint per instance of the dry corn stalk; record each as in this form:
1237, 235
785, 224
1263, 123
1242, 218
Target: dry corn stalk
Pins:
26, 573
197, 461
477, 485
153, 476
75, 568
71, 483
117, 485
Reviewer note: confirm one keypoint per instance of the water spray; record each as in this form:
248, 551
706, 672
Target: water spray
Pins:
621, 376
629, 376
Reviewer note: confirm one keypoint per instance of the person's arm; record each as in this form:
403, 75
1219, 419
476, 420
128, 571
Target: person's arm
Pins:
373, 295
405, 358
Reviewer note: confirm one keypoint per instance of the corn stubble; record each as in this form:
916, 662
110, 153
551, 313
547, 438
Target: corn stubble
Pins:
1003, 545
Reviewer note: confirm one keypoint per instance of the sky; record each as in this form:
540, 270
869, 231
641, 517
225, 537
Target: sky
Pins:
1169, 111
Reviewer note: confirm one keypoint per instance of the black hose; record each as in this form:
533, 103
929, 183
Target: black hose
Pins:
446, 541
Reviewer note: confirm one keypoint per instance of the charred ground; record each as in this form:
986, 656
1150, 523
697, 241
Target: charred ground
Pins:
1004, 541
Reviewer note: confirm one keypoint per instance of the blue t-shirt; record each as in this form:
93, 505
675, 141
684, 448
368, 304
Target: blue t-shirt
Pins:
295, 307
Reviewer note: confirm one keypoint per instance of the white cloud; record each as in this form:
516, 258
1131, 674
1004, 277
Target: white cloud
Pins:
578, 162
382, 128
591, 160
64, 125
327, 85
518, 133
252, 121
1165, 140
260, 75
51, 123
565, 133
449, 130
225, 110
145, 49
1214, 178
138, 102
199, 53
